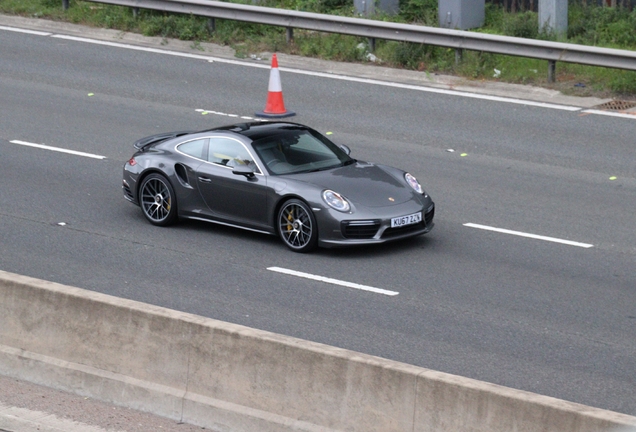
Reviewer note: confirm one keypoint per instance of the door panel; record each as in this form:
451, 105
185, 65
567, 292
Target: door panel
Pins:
229, 196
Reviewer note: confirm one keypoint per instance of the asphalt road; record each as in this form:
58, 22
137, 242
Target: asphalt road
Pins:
529, 313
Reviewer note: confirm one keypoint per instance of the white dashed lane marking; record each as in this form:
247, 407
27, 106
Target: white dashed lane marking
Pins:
527, 235
205, 112
57, 149
333, 281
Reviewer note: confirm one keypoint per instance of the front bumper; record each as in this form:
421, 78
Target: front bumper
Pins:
375, 230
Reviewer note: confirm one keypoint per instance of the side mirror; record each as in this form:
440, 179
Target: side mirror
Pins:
345, 149
245, 171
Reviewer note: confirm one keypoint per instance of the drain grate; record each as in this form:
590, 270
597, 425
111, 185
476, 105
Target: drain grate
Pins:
616, 105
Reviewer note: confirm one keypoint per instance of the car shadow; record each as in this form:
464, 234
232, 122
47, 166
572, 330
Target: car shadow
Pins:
211, 228
261, 240
398, 247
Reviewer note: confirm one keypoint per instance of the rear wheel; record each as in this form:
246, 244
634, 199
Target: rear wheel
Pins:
297, 226
158, 200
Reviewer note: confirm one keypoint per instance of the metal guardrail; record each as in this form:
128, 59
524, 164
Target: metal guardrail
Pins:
458, 39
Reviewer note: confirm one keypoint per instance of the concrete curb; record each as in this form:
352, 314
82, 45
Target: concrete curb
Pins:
229, 377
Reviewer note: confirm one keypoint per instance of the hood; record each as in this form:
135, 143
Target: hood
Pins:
363, 183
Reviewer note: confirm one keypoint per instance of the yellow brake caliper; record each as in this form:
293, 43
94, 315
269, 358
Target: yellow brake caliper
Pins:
290, 218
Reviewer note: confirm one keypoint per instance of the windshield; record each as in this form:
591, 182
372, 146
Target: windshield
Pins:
295, 150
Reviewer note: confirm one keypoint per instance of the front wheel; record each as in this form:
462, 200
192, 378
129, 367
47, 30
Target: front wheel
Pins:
158, 200
297, 226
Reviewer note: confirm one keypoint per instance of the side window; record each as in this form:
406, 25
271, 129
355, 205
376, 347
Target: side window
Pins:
230, 153
194, 148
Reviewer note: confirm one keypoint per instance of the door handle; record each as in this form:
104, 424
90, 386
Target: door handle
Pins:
205, 180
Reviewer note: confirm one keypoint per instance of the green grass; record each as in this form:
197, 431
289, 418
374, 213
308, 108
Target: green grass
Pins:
598, 26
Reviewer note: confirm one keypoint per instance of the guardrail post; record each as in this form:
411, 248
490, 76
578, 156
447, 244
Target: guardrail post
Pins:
135, 12
289, 34
65, 4
211, 25
551, 71
459, 54
371, 45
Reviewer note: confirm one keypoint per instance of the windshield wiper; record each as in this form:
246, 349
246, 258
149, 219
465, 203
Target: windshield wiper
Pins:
323, 168
345, 163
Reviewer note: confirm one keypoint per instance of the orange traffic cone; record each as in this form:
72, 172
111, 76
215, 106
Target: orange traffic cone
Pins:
275, 107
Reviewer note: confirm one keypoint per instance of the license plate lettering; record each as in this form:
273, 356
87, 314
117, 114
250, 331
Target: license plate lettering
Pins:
406, 220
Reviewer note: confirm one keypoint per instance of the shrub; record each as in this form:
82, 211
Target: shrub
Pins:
420, 11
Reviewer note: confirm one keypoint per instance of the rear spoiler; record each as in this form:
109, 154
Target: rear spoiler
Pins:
154, 139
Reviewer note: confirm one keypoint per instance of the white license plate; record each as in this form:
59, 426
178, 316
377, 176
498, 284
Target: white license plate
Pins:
406, 220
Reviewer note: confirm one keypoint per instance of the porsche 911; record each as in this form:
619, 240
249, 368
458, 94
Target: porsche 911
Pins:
278, 178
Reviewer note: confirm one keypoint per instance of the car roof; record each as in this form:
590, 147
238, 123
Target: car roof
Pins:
258, 130
251, 130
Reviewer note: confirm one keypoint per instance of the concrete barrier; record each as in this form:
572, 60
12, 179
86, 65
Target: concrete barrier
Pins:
232, 378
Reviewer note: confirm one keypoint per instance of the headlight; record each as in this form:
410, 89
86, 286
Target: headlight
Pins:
335, 200
412, 181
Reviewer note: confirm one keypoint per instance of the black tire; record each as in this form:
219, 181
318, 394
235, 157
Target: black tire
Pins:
297, 226
158, 200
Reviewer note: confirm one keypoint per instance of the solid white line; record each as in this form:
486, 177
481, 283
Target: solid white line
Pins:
327, 75
533, 236
611, 114
57, 149
161, 51
333, 281
435, 90
19, 30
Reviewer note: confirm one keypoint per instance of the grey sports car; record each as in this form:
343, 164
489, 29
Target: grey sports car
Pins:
278, 178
